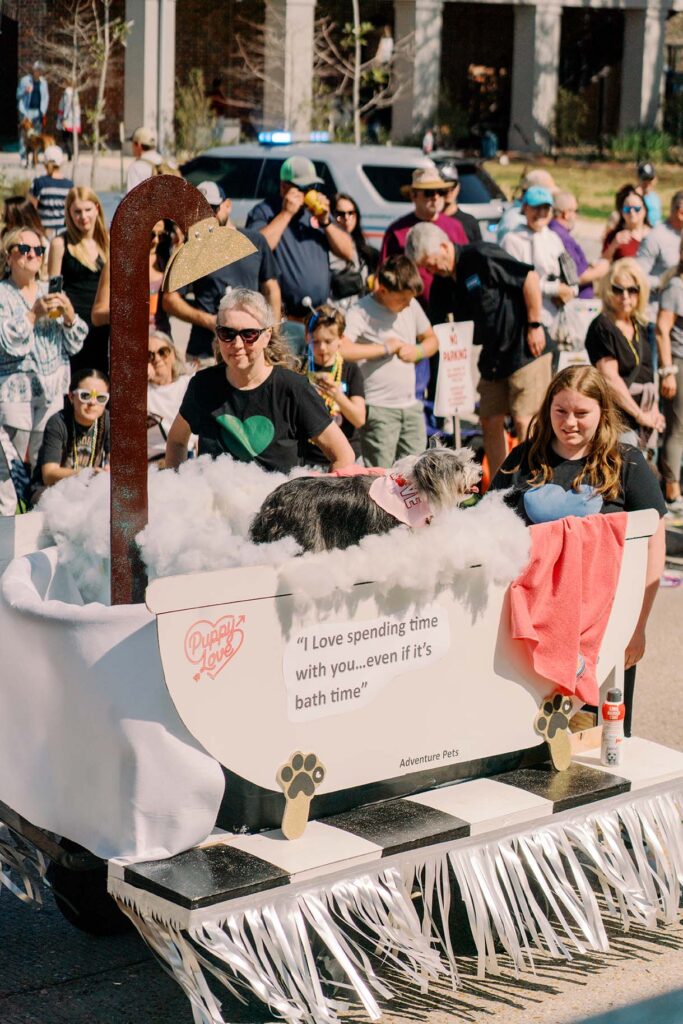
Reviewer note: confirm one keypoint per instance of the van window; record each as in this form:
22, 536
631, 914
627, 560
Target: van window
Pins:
388, 180
475, 185
269, 183
237, 175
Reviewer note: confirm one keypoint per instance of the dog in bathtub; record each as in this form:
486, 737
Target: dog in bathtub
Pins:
326, 512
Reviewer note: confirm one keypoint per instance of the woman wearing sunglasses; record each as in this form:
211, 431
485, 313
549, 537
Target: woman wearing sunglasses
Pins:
349, 281
79, 254
38, 334
167, 381
632, 225
252, 404
617, 345
76, 437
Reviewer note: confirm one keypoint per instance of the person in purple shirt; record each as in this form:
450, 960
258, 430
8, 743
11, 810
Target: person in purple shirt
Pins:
563, 223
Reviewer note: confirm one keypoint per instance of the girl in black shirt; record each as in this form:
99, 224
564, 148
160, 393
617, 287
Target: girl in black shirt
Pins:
572, 464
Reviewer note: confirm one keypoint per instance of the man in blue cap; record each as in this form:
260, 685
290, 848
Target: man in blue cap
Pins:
301, 241
534, 243
258, 271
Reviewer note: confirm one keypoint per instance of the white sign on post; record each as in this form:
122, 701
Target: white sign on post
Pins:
454, 387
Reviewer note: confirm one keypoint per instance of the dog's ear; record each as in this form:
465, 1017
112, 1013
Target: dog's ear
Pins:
434, 442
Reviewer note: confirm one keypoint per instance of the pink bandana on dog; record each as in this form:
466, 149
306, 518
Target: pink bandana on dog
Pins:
400, 499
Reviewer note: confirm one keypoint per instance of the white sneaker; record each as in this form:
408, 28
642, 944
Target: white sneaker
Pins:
675, 506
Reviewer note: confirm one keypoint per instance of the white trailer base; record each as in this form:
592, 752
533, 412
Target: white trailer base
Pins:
538, 859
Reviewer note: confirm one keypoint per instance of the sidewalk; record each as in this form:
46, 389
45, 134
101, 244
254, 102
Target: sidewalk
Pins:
108, 170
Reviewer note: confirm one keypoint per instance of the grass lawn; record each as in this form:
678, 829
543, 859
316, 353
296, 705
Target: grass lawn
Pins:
594, 184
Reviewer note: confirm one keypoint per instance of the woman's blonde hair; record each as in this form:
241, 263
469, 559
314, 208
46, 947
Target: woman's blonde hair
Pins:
74, 236
627, 267
602, 468
13, 238
179, 368
277, 352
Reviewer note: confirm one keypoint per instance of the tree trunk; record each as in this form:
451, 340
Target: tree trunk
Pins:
98, 112
356, 72
75, 101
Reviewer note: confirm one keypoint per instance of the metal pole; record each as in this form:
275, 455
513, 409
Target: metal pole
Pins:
160, 196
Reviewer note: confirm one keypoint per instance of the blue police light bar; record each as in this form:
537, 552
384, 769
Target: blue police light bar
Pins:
282, 138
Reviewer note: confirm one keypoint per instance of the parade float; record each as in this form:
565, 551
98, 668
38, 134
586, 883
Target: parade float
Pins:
295, 772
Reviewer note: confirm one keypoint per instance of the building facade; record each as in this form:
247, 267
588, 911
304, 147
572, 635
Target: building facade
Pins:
529, 48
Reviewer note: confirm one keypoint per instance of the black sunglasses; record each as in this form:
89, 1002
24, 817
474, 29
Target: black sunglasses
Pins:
631, 289
248, 334
344, 213
24, 249
162, 353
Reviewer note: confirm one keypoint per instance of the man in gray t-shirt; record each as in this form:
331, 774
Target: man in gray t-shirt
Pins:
386, 334
659, 250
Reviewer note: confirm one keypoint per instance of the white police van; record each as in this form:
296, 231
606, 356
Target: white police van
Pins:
372, 175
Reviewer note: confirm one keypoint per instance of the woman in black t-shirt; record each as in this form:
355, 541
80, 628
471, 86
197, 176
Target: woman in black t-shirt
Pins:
252, 405
617, 345
79, 255
572, 464
338, 382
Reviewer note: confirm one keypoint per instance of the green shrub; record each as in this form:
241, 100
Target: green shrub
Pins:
641, 144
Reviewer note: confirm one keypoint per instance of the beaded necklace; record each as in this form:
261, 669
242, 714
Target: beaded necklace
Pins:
94, 449
336, 373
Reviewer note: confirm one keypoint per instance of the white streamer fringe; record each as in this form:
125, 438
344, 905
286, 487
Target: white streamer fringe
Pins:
535, 889
22, 868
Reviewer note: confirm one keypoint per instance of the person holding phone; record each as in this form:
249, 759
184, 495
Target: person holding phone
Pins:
76, 437
79, 254
39, 332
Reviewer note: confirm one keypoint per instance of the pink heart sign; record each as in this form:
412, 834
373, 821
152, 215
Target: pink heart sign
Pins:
211, 645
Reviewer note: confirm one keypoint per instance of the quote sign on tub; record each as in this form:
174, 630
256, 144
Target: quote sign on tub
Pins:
334, 667
454, 387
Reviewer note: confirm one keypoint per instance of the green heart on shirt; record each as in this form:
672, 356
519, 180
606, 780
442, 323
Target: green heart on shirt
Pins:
245, 439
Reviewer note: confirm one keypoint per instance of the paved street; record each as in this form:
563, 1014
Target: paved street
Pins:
49, 972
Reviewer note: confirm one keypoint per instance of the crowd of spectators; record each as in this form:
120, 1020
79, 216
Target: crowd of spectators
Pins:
319, 350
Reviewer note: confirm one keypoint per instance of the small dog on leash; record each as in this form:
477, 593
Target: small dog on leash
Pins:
34, 142
326, 512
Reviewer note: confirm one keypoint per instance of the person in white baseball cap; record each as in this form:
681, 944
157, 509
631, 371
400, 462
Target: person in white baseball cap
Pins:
146, 157
49, 191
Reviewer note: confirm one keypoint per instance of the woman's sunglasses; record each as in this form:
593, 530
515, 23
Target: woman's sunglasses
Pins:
248, 334
339, 214
631, 289
631, 209
91, 396
24, 249
163, 353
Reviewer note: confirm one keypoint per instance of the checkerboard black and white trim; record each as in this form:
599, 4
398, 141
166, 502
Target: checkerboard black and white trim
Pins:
264, 907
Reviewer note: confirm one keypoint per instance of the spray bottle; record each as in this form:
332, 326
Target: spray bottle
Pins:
613, 711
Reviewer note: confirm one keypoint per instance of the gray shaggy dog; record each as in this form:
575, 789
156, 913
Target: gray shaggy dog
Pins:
326, 512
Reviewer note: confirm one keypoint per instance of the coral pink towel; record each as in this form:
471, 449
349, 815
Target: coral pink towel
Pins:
560, 604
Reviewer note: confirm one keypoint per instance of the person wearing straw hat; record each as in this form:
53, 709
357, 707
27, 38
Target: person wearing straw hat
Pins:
427, 191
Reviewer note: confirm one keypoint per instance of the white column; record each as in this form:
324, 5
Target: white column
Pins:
642, 77
140, 94
288, 85
535, 64
416, 104
166, 76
